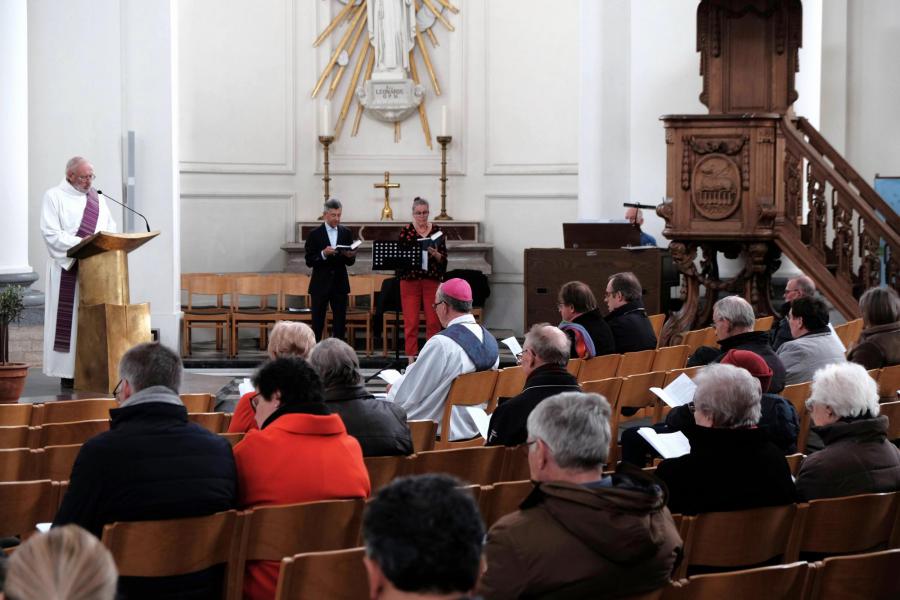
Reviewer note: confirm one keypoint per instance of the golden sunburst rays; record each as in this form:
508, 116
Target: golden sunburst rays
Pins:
353, 47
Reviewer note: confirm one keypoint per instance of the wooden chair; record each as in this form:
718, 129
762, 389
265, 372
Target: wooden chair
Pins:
608, 388
17, 464
634, 393
849, 332
763, 323
265, 292
213, 422
423, 433
797, 394
24, 504
384, 469
736, 539
233, 438
174, 546
892, 411
889, 383
696, 338
55, 462
66, 411
670, 357
510, 382
599, 367
15, 437
657, 322
214, 315
634, 363
515, 464
851, 524
360, 317
779, 581
871, 576
574, 366
482, 466
794, 462
336, 575
63, 434
198, 403
673, 374
469, 389
15, 415
502, 498
275, 532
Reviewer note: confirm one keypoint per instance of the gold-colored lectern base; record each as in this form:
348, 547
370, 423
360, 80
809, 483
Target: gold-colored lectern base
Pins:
105, 333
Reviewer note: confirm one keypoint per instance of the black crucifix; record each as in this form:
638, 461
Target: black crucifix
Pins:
387, 212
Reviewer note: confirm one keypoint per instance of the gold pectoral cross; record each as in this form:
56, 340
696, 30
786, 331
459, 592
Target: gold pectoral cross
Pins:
387, 212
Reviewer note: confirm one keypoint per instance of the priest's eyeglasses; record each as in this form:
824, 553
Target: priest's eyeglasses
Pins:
90, 177
436, 304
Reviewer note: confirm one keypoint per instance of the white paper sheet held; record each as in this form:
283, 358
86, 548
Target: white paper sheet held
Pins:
678, 393
513, 344
669, 445
389, 375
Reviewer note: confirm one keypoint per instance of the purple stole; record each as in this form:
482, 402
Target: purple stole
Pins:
69, 278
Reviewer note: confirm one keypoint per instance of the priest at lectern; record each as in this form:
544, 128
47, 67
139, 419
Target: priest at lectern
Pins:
71, 211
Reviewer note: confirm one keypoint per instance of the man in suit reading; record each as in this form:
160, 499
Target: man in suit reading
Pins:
329, 283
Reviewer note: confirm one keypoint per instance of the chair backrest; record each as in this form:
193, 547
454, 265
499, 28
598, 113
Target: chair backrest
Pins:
738, 538
673, 374
55, 462
266, 289
216, 286
384, 469
15, 415
574, 366
336, 575
510, 382
24, 504
515, 464
174, 546
634, 393
502, 498
763, 323
794, 461
608, 388
892, 411
63, 434
657, 321
198, 403
779, 581
18, 464
889, 382
849, 332
670, 357
469, 389
636, 362
361, 286
482, 465
696, 338
797, 394
872, 576
599, 367
66, 411
423, 434
16, 437
295, 284
845, 525
210, 421
233, 438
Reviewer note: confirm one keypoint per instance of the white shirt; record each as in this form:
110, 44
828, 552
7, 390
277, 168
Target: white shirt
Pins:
423, 389
332, 237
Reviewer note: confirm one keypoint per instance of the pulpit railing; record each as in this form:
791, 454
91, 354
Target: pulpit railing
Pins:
850, 233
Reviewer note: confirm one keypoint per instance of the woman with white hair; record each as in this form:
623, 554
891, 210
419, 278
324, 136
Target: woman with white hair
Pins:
733, 464
857, 458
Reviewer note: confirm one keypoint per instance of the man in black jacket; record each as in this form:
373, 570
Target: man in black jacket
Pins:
379, 426
544, 357
152, 464
588, 332
329, 283
627, 318
733, 320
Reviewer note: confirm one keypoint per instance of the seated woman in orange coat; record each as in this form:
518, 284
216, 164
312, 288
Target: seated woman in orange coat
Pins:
288, 338
301, 453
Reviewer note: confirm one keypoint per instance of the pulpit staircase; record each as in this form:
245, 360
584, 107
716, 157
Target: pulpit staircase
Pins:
850, 231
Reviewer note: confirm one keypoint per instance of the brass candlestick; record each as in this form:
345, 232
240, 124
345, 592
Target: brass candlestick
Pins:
326, 140
443, 140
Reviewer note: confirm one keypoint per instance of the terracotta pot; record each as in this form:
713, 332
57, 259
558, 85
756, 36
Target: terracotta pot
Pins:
12, 382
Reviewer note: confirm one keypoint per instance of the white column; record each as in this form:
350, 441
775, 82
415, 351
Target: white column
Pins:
590, 109
14, 140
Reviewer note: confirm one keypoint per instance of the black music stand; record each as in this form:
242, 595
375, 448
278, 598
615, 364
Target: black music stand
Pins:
390, 256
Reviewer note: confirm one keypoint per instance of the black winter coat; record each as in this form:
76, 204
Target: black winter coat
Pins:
631, 329
599, 331
379, 426
152, 464
754, 341
508, 423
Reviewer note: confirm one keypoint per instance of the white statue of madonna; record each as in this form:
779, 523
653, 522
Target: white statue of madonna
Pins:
392, 30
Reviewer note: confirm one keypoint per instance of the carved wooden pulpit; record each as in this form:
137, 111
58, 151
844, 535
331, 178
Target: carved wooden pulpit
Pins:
108, 324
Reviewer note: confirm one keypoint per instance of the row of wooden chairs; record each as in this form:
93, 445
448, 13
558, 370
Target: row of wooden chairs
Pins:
66, 411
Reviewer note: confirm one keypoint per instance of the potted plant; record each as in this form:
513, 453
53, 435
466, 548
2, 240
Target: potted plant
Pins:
12, 375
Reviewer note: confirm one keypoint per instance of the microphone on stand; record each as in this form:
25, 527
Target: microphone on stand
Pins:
100, 193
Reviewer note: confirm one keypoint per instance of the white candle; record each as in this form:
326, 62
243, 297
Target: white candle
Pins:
326, 118
443, 120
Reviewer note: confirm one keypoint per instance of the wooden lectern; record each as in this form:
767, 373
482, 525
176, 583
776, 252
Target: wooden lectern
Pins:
108, 325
